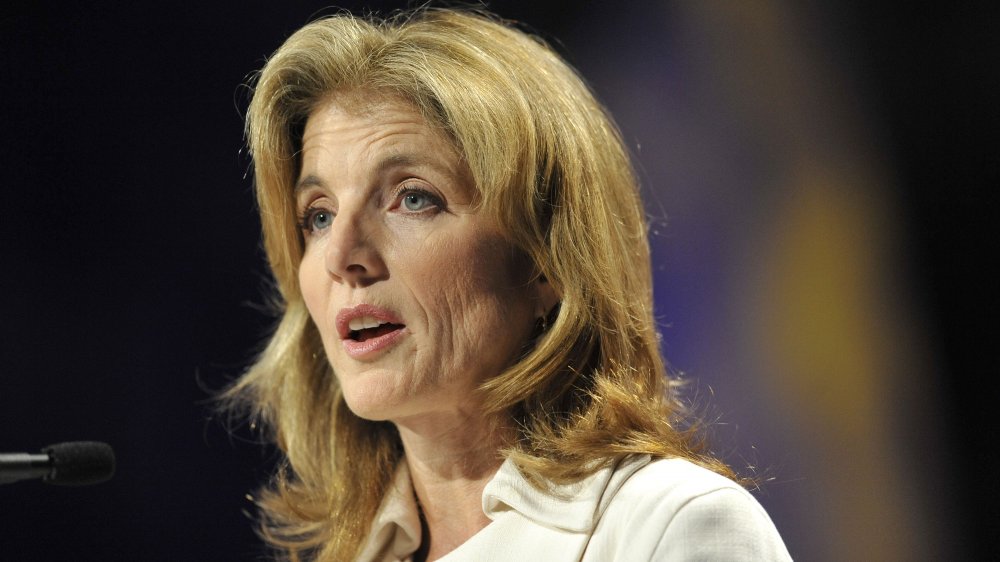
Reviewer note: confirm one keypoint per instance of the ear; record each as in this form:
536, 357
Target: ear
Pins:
548, 298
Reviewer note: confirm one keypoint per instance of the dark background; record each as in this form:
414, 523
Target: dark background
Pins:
131, 267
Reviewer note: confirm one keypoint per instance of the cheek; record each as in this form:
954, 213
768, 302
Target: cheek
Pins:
480, 298
312, 285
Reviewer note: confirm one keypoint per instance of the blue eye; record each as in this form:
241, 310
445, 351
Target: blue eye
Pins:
314, 220
321, 220
417, 201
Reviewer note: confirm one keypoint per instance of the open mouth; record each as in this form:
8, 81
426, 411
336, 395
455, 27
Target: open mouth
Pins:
367, 333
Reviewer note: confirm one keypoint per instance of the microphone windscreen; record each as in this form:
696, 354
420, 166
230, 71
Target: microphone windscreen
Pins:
79, 463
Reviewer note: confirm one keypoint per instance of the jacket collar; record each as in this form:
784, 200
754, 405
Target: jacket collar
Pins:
395, 532
575, 507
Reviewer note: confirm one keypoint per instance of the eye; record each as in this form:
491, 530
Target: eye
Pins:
315, 219
416, 200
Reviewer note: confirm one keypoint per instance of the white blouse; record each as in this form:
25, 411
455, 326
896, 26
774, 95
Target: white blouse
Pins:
667, 510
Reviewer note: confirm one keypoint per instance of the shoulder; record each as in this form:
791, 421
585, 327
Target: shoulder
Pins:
669, 485
672, 509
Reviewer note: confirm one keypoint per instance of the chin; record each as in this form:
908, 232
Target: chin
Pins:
369, 407
374, 402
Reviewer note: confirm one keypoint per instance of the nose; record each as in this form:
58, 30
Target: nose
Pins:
353, 254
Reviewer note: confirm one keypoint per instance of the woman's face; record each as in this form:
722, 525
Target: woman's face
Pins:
417, 295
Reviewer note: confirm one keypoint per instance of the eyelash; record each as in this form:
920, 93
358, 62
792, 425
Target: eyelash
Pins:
435, 204
306, 217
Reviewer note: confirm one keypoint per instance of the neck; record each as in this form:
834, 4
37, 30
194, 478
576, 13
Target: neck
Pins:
450, 462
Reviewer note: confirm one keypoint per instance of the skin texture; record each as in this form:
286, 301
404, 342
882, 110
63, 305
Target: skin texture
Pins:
388, 218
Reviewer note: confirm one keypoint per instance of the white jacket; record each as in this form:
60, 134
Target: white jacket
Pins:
666, 510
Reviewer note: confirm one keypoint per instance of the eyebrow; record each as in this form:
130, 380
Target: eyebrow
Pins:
306, 183
400, 160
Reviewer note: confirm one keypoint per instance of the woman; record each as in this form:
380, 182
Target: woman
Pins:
466, 364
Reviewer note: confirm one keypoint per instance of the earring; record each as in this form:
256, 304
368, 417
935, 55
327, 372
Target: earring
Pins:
543, 323
545, 317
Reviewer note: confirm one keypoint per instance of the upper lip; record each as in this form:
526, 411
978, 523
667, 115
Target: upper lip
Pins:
345, 316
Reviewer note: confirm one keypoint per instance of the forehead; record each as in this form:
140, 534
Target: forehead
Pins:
352, 138
353, 124
365, 108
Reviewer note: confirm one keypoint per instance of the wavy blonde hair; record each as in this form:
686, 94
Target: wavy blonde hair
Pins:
550, 165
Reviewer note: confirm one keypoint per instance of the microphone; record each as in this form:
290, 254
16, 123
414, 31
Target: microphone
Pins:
77, 463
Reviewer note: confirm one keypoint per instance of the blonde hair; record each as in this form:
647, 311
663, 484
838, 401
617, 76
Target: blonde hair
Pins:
550, 165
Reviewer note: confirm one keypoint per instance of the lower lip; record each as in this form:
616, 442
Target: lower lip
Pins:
371, 348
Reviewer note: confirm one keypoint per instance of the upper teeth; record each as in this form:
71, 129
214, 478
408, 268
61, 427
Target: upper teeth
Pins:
363, 323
